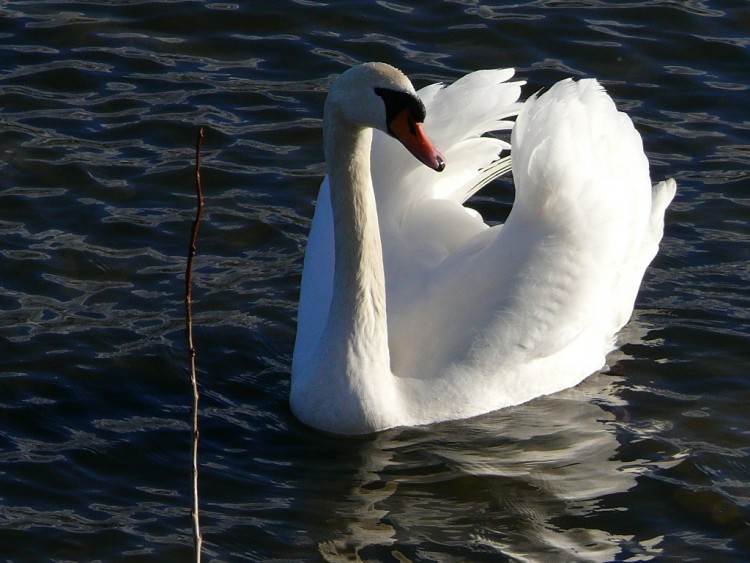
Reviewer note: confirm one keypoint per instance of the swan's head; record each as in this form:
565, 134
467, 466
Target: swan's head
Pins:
379, 96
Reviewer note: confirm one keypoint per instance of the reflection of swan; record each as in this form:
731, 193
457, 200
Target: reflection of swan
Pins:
477, 318
537, 482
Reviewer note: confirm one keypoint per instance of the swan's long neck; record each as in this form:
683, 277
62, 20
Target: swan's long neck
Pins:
358, 307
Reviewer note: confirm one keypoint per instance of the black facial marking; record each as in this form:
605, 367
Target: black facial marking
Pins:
395, 102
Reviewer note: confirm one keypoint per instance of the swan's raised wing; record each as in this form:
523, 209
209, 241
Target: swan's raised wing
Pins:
533, 307
420, 211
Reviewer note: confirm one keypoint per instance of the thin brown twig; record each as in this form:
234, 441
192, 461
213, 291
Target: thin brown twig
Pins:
197, 536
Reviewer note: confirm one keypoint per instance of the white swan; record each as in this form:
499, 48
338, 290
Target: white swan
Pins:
414, 311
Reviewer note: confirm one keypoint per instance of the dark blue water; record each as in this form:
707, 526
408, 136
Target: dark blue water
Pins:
100, 103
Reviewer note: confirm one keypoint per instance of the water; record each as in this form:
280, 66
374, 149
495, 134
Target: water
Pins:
100, 103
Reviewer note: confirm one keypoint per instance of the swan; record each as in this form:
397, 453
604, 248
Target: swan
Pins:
412, 309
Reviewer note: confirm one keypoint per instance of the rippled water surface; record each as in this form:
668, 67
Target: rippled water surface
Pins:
100, 103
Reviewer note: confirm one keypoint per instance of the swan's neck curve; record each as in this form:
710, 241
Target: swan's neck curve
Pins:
358, 307
346, 385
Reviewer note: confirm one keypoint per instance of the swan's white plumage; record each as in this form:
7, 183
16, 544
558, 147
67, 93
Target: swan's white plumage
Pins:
481, 318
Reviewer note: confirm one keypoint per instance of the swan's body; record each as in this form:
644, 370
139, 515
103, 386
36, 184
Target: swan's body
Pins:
413, 310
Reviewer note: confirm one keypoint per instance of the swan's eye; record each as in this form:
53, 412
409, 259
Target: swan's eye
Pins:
397, 101
412, 125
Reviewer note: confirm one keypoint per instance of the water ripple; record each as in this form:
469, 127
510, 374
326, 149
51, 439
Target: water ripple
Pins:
99, 109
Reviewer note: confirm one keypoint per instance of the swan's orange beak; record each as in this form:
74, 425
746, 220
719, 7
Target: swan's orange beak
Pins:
411, 135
